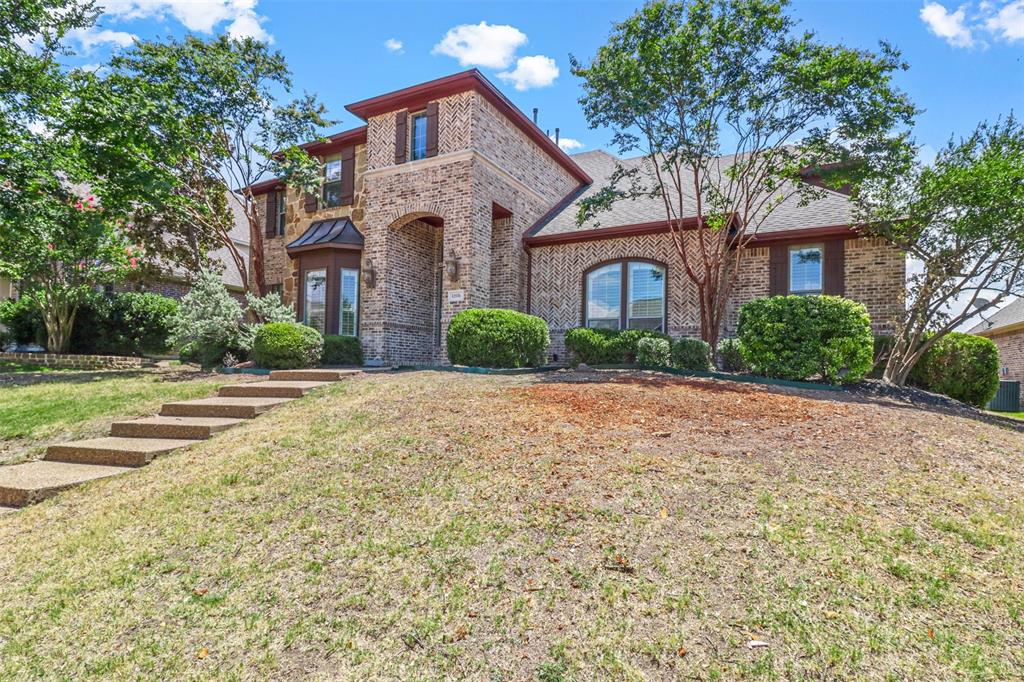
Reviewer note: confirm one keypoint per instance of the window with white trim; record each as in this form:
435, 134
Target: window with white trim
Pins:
348, 306
314, 302
332, 182
418, 136
806, 276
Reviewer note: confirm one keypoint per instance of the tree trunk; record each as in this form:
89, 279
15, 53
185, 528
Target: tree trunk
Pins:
59, 318
258, 281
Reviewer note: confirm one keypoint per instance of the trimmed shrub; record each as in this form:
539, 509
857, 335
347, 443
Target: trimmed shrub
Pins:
342, 350
692, 354
730, 357
287, 345
962, 366
607, 346
209, 320
805, 337
140, 323
24, 321
496, 337
654, 352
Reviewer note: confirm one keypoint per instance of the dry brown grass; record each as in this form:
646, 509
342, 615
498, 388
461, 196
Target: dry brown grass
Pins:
428, 526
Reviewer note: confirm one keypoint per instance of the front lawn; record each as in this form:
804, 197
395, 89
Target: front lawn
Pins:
444, 526
39, 413
15, 367
1015, 415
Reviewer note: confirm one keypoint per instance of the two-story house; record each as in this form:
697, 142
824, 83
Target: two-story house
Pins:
451, 198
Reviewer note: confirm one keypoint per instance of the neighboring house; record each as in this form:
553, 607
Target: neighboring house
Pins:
451, 198
1006, 329
6, 289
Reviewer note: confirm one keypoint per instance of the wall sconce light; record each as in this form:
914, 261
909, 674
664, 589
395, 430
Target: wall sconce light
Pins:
369, 274
451, 265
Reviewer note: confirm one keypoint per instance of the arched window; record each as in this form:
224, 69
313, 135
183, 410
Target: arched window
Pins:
625, 294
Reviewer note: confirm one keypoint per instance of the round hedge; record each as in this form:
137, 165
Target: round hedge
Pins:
691, 354
287, 345
495, 337
806, 337
962, 366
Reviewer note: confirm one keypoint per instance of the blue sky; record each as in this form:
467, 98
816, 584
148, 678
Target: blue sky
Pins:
966, 60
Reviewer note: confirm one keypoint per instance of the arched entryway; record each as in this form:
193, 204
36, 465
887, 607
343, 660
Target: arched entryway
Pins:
413, 308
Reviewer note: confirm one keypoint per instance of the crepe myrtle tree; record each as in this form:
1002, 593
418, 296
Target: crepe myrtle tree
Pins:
684, 84
962, 218
185, 129
61, 249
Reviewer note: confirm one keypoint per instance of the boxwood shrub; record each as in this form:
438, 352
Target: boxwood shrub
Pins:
654, 352
730, 357
807, 337
692, 354
287, 345
496, 337
342, 350
962, 366
607, 346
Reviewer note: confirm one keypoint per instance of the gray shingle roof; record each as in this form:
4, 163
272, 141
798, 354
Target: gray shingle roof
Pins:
1009, 315
831, 209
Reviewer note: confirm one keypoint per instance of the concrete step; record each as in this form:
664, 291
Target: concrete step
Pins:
236, 408
25, 484
312, 374
270, 389
187, 428
114, 451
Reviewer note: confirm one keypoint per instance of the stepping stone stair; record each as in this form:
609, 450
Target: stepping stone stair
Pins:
135, 443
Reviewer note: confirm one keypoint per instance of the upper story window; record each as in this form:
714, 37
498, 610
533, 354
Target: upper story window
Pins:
418, 136
628, 294
332, 182
805, 270
279, 219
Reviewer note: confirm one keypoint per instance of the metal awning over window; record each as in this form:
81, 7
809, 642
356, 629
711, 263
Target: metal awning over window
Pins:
338, 234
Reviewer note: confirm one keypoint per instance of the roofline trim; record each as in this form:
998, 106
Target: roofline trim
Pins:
418, 95
996, 331
659, 226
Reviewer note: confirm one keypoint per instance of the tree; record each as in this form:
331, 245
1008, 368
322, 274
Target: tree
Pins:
686, 84
963, 218
183, 128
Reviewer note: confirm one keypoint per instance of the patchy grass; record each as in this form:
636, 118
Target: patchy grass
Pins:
37, 414
14, 367
1015, 415
430, 526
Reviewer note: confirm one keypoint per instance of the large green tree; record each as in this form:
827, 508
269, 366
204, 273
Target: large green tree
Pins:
962, 219
184, 128
727, 102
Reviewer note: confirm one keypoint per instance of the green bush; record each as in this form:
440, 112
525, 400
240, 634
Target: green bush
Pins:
342, 350
140, 323
495, 337
730, 357
805, 337
962, 366
607, 346
209, 321
654, 352
691, 354
287, 345
24, 321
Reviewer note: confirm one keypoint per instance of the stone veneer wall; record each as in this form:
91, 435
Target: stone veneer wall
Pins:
73, 361
875, 274
1011, 356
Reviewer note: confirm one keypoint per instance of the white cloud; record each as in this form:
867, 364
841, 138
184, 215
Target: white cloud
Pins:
92, 37
481, 44
568, 144
394, 45
537, 71
196, 15
950, 26
1008, 22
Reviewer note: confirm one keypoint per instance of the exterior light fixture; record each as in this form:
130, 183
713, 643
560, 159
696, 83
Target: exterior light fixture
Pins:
369, 274
451, 265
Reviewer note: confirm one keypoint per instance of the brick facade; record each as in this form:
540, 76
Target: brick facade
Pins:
493, 177
1011, 356
874, 272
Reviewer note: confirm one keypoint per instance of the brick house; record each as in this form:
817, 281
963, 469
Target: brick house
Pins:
451, 198
1006, 329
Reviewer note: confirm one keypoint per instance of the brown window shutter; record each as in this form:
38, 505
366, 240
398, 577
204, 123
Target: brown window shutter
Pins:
348, 174
833, 272
432, 129
270, 219
401, 138
311, 203
778, 271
